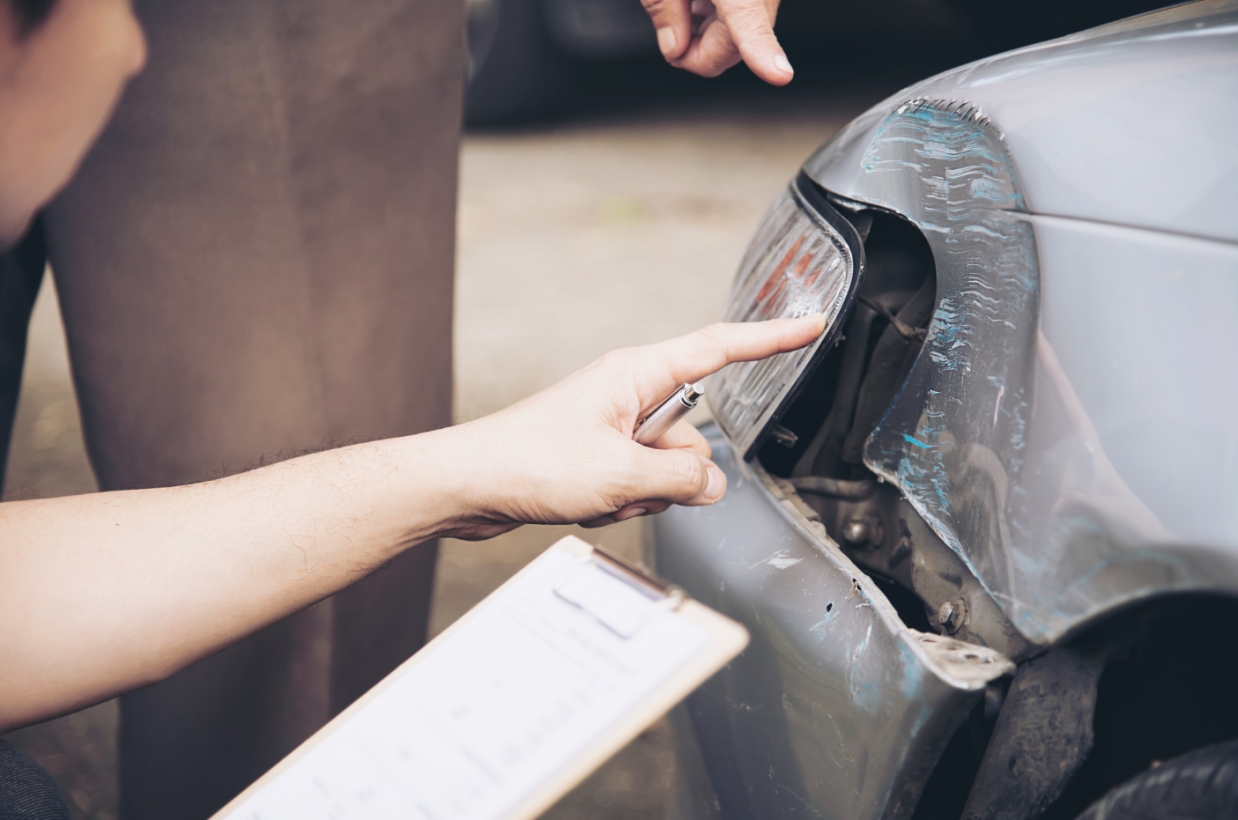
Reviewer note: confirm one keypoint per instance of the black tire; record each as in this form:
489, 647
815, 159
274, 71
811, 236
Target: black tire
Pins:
513, 67
1199, 785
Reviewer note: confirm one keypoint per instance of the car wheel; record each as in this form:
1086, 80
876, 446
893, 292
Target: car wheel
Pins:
1199, 785
511, 62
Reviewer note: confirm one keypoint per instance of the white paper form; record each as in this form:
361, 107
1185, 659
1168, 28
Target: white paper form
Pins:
521, 688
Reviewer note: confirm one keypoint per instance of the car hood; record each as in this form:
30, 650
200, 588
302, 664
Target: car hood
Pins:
1133, 123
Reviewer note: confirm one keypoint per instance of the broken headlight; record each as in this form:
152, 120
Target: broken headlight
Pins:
805, 258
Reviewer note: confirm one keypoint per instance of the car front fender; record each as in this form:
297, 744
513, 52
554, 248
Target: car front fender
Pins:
836, 709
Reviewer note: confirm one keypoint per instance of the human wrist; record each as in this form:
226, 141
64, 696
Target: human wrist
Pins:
452, 481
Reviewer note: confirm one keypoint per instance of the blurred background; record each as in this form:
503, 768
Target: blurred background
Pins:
605, 200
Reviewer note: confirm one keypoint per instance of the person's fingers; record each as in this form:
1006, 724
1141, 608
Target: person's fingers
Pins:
660, 368
676, 470
683, 436
665, 477
672, 20
626, 512
712, 50
484, 531
751, 25
675, 476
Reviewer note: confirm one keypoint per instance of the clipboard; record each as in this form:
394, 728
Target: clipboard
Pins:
512, 706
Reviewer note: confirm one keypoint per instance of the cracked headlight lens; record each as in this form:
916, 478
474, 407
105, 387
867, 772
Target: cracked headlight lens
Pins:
805, 258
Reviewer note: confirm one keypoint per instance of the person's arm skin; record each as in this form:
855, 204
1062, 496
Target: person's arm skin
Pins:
707, 37
103, 593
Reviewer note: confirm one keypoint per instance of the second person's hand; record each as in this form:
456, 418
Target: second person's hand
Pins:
707, 37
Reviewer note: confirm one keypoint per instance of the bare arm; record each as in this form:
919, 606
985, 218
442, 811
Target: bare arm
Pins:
103, 593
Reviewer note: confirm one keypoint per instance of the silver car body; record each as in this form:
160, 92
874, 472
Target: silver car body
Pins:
1069, 430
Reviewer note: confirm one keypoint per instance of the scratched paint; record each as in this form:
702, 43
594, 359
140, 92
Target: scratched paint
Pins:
962, 444
782, 560
831, 686
912, 681
820, 630
990, 439
946, 167
865, 680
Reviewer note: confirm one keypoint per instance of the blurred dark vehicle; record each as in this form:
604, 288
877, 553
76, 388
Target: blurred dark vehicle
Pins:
519, 50
521, 53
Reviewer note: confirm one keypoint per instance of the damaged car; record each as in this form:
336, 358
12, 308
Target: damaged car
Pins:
984, 533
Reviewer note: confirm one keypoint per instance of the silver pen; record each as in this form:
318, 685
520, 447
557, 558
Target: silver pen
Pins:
651, 427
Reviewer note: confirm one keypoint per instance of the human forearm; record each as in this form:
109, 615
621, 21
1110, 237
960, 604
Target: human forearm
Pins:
106, 592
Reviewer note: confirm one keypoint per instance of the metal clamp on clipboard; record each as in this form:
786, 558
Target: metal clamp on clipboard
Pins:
588, 583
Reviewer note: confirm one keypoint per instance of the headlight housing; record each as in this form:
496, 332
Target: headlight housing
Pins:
805, 258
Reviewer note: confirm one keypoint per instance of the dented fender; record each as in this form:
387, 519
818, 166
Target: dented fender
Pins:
1068, 429
836, 709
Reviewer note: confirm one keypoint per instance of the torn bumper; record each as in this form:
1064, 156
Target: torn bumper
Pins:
836, 709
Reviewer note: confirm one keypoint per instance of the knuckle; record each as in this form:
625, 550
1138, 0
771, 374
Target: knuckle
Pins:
712, 64
737, 8
659, 8
627, 478
748, 20
687, 474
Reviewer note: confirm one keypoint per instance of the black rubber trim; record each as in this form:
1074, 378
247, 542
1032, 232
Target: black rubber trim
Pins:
816, 199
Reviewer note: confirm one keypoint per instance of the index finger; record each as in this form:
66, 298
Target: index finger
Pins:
660, 368
751, 26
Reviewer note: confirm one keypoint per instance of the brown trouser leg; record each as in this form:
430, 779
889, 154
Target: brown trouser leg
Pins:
256, 260
21, 274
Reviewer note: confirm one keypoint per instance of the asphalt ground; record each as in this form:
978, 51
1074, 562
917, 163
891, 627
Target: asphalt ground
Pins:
617, 220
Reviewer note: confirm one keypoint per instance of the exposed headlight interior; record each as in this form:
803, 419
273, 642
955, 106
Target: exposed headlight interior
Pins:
826, 406
806, 416
804, 259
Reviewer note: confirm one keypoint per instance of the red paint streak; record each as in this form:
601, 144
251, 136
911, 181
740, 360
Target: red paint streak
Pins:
776, 274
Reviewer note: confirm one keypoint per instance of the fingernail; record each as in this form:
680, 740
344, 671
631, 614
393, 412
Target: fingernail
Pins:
667, 40
716, 485
783, 64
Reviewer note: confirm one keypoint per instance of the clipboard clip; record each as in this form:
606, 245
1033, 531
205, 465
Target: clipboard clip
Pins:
620, 597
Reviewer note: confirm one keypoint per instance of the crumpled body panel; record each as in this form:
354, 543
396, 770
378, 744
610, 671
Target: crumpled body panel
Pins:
959, 428
835, 709
1069, 428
